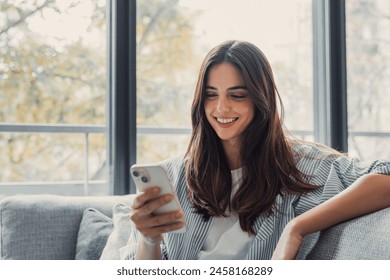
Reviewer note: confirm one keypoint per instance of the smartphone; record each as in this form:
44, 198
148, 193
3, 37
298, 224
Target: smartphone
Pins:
153, 175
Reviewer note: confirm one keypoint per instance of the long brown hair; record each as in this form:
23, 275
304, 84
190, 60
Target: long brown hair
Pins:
268, 164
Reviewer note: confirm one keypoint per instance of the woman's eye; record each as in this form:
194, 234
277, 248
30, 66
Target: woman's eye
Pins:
210, 95
238, 96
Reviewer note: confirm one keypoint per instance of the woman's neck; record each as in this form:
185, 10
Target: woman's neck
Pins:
233, 155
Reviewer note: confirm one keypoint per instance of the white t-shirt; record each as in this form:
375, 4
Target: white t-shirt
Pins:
226, 239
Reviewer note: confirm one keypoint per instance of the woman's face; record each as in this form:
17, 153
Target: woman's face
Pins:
228, 105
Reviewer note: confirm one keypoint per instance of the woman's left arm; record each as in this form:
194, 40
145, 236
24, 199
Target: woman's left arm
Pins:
369, 193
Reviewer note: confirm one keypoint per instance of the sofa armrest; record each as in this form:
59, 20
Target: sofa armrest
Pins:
363, 238
46, 226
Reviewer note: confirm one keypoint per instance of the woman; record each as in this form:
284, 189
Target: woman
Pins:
243, 179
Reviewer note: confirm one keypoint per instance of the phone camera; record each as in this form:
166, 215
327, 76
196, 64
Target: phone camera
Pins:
135, 173
144, 179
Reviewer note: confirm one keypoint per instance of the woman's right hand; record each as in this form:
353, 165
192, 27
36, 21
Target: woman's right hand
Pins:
152, 226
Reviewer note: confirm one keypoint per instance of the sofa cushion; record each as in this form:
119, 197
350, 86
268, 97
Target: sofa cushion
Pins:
120, 235
95, 228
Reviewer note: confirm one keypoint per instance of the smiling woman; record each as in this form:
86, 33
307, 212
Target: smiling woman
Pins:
245, 178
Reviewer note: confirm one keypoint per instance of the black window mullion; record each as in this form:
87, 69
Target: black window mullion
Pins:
329, 68
132, 81
338, 80
122, 94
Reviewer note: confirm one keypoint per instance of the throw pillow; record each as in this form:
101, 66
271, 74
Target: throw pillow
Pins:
120, 234
95, 227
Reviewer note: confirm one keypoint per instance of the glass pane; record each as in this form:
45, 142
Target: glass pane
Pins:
368, 72
377, 147
156, 147
43, 158
47, 157
52, 71
53, 61
173, 37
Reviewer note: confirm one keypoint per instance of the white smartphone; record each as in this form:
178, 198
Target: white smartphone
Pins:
153, 175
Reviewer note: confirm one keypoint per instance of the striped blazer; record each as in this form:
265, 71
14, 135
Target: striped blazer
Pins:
333, 173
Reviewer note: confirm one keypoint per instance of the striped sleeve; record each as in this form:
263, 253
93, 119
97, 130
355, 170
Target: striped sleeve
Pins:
333, 174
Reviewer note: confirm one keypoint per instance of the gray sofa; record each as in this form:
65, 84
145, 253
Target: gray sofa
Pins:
56, 227
47, 227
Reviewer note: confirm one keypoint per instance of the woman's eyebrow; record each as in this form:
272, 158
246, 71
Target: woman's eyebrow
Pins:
231, 88
238, 87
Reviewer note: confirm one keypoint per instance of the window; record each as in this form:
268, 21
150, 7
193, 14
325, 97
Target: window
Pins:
53, 96
63, 133
368, 72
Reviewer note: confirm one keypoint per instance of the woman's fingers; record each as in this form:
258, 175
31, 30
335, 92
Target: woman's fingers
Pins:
160, 220
154, 225
158, 230
143, 222
147, 195
149, 207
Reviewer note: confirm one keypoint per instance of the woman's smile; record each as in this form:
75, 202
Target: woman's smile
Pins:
225, 120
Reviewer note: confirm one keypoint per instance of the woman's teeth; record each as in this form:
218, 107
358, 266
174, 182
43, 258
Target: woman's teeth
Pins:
226, 120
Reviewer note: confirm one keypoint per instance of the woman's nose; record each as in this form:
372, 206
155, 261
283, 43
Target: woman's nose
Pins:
223, 106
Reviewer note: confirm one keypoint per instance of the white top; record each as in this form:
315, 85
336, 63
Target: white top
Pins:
226, 239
